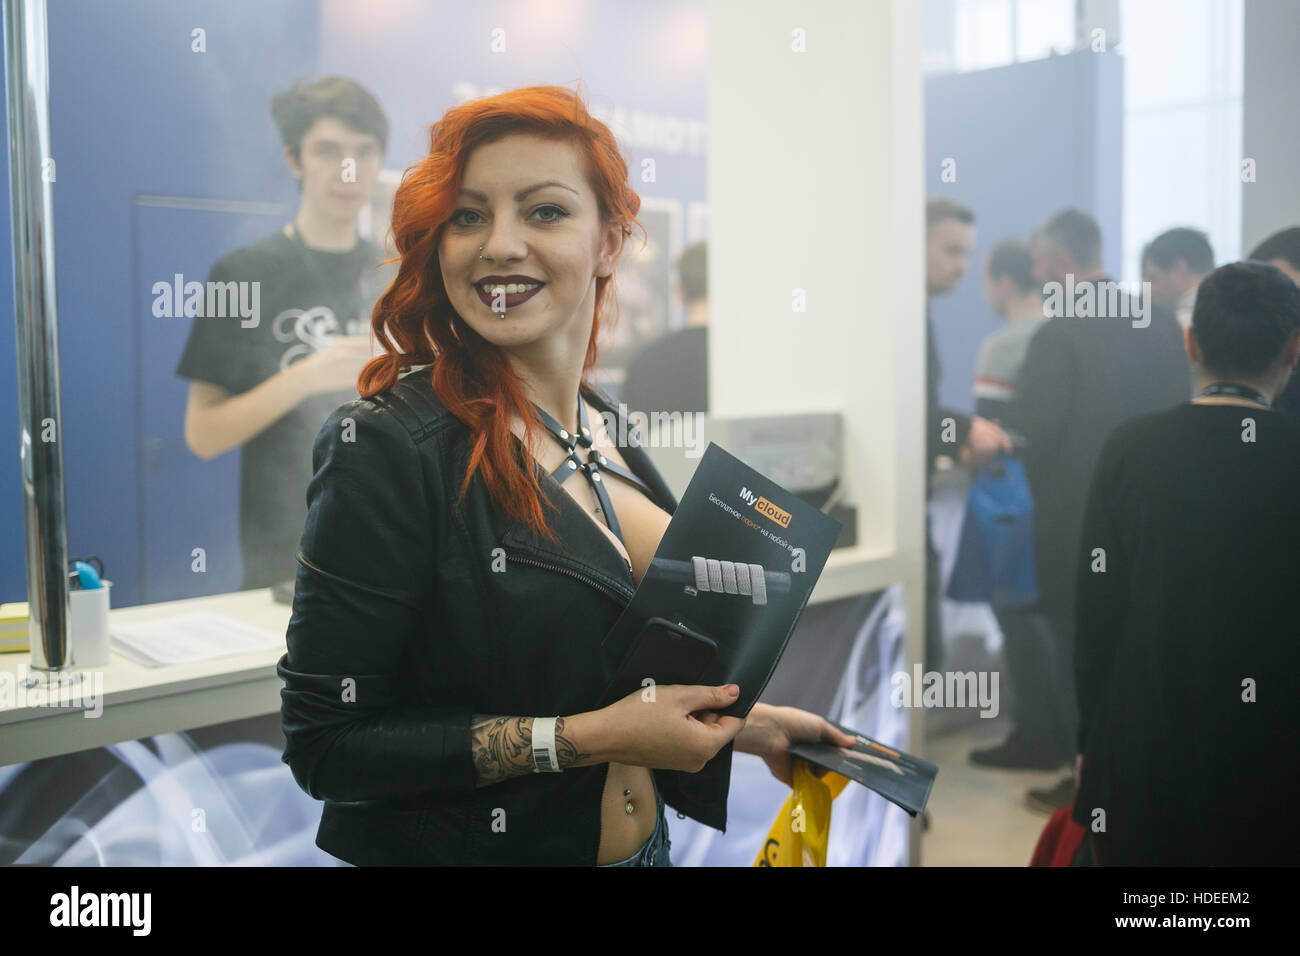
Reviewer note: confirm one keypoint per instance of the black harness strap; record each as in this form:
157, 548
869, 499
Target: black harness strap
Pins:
594, 467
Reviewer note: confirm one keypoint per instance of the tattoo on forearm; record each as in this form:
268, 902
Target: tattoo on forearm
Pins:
503, 747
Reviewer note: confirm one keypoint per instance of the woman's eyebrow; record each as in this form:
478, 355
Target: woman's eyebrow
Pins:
482, 197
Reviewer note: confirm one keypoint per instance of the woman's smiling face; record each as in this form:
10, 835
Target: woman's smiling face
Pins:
526, 200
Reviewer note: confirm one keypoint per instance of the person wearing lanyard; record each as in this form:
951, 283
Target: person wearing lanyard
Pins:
1186, 624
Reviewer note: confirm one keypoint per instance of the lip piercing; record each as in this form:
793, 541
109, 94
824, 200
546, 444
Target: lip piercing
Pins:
500, 315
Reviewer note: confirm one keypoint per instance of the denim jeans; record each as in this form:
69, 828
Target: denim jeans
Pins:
654, 852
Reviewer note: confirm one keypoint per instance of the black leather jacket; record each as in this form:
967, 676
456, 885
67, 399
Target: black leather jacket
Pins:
411, 613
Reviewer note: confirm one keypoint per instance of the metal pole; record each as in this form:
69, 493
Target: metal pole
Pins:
36, 318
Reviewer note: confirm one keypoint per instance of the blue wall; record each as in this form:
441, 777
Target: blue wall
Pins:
135, 113
1028, 139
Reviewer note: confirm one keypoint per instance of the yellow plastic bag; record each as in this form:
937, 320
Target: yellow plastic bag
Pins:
799, 835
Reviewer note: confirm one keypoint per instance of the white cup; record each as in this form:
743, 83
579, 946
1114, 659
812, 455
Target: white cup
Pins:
88, 625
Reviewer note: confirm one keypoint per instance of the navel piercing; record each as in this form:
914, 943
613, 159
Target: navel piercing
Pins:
628, 807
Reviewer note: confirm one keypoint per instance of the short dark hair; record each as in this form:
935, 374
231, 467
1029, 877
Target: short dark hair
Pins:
296, 110
1077, 233
937, 209
1011, 258
1245, 314
1284, 245
1190, 245
693, 272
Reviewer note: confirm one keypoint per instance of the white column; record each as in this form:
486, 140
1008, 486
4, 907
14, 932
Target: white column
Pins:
816, 259
1269, 132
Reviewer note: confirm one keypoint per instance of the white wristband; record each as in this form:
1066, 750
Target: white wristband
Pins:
545, 759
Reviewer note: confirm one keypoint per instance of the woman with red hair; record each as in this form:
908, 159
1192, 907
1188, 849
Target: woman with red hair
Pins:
444, 659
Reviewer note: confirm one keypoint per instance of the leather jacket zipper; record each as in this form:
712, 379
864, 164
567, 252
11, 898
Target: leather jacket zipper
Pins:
621, 599
598, 585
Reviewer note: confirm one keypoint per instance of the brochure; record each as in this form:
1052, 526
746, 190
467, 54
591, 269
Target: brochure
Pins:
897, 776
730, 578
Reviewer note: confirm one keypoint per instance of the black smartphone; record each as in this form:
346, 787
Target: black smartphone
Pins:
664, 652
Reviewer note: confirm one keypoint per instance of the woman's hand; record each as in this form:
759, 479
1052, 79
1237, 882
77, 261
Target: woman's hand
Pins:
667, 726
769, 732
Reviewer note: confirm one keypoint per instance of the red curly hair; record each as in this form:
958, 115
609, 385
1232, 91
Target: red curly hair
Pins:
470, 375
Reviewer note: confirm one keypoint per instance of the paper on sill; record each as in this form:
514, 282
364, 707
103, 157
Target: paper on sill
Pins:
187, 638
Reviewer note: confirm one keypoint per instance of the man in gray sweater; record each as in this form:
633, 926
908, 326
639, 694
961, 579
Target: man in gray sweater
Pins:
1014, 294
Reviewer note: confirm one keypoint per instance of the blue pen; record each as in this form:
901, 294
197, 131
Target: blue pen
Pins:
86, 574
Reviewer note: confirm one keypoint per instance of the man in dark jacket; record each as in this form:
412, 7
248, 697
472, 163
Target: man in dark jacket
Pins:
1102, 358
1175, 262
968, 439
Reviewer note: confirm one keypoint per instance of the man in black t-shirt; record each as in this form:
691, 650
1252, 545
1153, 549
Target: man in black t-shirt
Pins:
268, 382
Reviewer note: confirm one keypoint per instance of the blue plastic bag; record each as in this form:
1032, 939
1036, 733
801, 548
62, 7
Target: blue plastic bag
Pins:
995, 558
